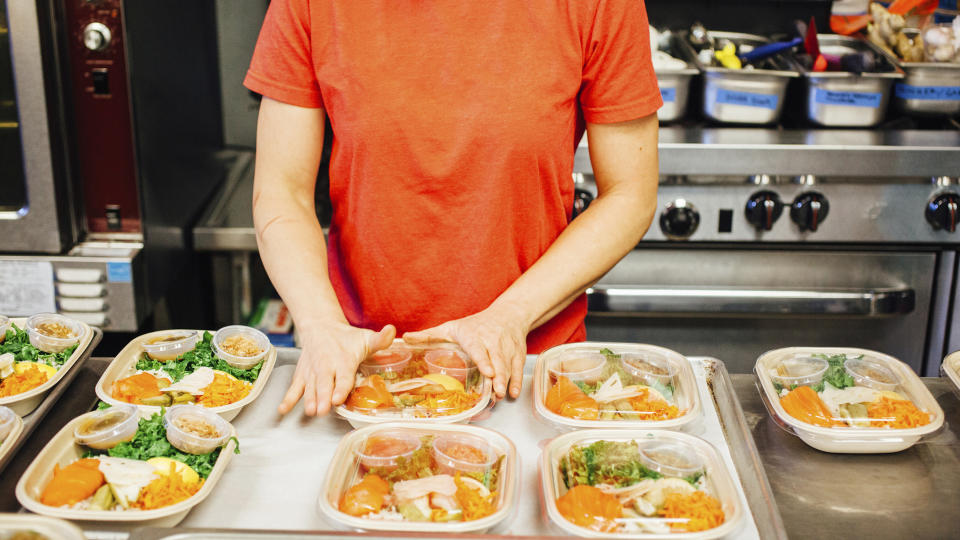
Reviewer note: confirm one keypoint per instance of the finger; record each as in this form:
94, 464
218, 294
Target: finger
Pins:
516, 372
502, 373
345, 379
431, 335
485, 363
377, 341
310, 395
292, 396
324, 392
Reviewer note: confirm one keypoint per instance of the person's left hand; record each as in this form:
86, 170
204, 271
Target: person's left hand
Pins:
496, 340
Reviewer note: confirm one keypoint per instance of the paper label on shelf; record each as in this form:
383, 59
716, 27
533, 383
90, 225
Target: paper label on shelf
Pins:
119, 272
748, 99
852, 99
931, 93
26, 288
669, 95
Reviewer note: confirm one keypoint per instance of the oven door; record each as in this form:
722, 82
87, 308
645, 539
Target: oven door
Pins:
736, 304
33, 215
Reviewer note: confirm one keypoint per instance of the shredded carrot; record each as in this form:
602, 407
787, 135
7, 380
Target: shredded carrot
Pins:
166, 490
896, 413
224, 390
19, 383
701, 510
473, 505
448, 402
652, 407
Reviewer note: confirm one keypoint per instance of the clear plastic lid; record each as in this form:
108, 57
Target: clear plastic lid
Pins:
4, 326
801, 370
8, 419
437, 383
427, 491
637, 484
865, 402
241, 346
107, 428
53, 333
617, 385
195, 430
167, 346
384, 450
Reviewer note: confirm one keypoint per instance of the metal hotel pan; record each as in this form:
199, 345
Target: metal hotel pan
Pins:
840, 98
744, 96
675, 85
929, 88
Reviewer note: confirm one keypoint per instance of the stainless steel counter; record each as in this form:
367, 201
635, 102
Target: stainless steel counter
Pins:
911, 494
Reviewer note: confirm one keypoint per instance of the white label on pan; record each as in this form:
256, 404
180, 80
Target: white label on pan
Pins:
26, 288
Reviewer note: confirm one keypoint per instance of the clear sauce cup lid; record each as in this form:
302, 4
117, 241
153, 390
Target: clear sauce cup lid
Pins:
872, 373
671, 459
799, 371
587, 366
382, 450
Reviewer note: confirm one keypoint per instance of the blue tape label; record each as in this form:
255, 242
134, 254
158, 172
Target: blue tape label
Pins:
851, 99
669, 95
748, 99
119, 272
937, 93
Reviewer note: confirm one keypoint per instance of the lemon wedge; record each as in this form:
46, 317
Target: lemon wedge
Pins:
446, 381
20, 367
163, 466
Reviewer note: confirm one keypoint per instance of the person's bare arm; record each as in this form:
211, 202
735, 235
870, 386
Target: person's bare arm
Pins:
293, 250
624, 158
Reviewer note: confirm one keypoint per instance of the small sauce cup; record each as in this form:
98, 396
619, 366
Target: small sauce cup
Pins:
171, 345
799, 371
671, 459
195, 430
232, 343
4, 326
463, 453
577, 366
872, 374
53, 333
7, 420
649, 367
107, 428
382, 450
449, 362
392, 360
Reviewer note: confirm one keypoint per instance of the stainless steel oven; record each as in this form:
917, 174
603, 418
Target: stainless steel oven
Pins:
772, 238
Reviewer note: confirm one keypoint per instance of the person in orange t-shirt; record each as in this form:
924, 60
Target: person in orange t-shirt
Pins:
454, 129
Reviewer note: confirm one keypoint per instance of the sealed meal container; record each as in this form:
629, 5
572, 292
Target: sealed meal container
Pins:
844, 99
479, 466
25, 402
616, 386
744, 96
436, 384
63, 450
31, 526
928, 88
950, 368
636, 484
125, 366
11, 426
865, 402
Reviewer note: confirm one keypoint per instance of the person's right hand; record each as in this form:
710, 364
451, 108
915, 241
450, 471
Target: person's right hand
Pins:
327, 367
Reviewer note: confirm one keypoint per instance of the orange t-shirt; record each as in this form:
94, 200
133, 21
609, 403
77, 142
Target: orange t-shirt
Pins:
455, 124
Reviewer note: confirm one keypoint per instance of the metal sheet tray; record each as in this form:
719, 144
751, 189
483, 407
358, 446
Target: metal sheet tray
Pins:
31, 420
307, 444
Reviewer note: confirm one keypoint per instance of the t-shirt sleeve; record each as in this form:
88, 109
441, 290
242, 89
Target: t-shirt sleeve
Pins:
282, 65
618, 79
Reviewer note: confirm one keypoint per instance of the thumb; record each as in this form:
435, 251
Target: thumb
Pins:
430, 335
377, 341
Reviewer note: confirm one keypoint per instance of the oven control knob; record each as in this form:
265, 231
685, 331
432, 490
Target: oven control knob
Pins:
763, 209
581, 200
679, 220
96, 36
809, 210
942, 211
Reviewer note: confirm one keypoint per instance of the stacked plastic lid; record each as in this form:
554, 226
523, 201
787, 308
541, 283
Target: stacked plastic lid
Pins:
847, 400
30, 526
377, 479
638, 484
436, 384
615, 385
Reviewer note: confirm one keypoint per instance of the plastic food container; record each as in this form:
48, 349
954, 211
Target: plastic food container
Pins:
465, 453
125, 364
386, 447
344, 471
392, 360
52, 528
24, 403
178, 420
171, 345
950, 368
11, 426
744, 96
418, 367
872, 373
671, 459
928, 88
800, 370
63, 450
634, 364
718, 479
839, 98
107, 428
4, 326
221, 345
47, 342
848, 439
577, 366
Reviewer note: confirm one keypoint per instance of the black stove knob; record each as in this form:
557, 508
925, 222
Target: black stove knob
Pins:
763, 209
581, 200
942, 211
809, 210
679, 220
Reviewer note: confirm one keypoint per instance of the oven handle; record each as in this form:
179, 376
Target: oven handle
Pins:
633, 300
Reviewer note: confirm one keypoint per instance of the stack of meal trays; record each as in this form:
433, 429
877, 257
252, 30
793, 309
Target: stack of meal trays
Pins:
160, 439
626, 464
